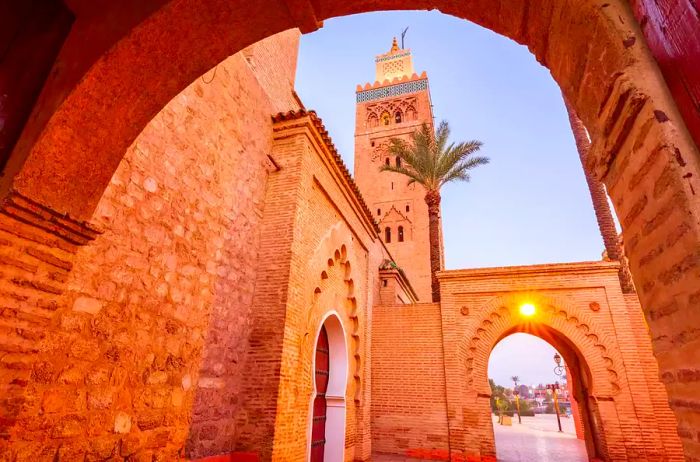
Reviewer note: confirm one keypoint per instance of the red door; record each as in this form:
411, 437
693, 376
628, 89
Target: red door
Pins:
318, 428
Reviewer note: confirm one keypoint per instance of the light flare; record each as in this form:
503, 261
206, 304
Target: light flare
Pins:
527, 309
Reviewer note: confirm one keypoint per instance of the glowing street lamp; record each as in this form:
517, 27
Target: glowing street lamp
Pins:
527, 309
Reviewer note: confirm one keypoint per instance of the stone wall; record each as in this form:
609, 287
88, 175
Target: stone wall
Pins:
140, 348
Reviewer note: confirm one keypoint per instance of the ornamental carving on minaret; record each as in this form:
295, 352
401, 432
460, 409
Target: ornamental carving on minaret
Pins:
392, 111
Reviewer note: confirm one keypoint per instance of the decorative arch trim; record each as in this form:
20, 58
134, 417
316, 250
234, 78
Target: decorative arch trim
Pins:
500, 318
332, 260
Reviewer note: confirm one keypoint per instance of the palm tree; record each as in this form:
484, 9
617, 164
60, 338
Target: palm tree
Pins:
431, 160
599, 197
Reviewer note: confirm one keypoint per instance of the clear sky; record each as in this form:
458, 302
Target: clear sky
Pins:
524, 355
530, 204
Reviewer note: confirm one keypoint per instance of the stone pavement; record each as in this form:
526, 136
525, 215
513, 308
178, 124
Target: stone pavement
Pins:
537, 439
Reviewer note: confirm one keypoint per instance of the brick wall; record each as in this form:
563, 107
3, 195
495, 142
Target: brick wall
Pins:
394, 288
319, 249
409, 414
143, 343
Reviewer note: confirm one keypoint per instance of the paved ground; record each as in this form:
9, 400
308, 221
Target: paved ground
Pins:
537, 439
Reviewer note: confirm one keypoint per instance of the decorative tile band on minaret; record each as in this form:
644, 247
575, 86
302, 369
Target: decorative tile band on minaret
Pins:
392, 90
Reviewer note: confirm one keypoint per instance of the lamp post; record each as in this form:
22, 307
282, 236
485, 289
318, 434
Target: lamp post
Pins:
516, 392
558, 370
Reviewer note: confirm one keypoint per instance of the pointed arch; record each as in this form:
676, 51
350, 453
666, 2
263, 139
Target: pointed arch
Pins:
372, 120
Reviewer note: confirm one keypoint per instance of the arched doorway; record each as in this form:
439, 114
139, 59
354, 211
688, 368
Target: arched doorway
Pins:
542, 409
596, 364
327, 417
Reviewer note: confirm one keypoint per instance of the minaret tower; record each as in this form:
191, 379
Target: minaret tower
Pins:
396, 105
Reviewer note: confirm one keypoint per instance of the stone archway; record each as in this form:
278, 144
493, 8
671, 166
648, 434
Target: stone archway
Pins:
597, 58
581, 344
87, 117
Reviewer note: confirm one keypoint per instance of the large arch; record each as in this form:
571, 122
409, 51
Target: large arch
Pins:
597, 58
581, 343
595, 50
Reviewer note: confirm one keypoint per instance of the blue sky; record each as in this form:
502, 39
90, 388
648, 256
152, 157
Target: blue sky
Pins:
527, 356
530, 204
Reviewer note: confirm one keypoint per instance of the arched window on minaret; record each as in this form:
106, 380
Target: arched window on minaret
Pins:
400, 233
410, 113
397, 117
387, 235
386, 119
372, 120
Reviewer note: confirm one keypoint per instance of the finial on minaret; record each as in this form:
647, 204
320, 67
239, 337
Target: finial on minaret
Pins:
394, 46
403, 35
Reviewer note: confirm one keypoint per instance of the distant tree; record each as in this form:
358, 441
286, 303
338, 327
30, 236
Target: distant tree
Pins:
497, 391
502, 406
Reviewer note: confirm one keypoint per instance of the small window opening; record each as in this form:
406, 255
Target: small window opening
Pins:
387, 235
392, 185
400, 233
372, 143
385, 282
398, 162
397, 117
379, 211
387, 161
408, 208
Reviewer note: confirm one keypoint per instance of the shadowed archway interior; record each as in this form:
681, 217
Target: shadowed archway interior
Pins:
578, 377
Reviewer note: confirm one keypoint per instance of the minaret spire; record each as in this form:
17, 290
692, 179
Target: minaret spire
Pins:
394, 46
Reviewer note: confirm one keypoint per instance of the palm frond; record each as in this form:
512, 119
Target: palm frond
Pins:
413, 177
430, 159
